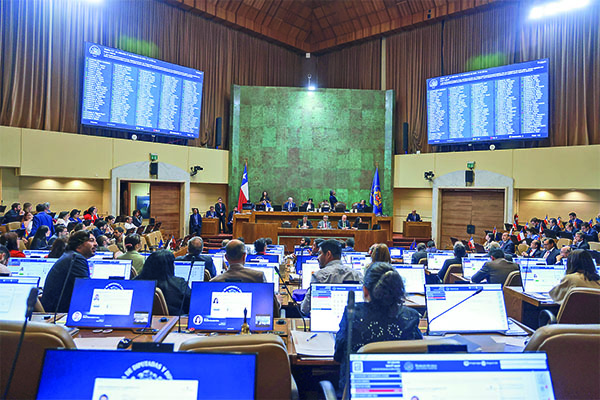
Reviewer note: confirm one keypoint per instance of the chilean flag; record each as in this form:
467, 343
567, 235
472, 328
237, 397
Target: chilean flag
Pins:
244, 196
522, 236
472, 243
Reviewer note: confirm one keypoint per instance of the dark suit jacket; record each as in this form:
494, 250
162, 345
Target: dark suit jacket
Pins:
417, 256
308, 223
508, 247
343, 224
415, 218
332, 200
11, 216
538, 253
221, 210
196, 224
287, 206
211, 214
551, 257
591, 236
39, 219
495, 271
580, 246
56, 278
237, 272
208, 262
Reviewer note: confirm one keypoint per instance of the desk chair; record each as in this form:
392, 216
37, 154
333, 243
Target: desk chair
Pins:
594, 246
13, 226
274, 378
113, 247
563, 242
581, 306
159, 307
573, 357
513, 279
133, 273
423, 261
340, 206
452, 269
521, 248
206, 275
39, 336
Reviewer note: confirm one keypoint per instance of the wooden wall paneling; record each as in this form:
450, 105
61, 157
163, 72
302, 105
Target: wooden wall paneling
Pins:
165, 206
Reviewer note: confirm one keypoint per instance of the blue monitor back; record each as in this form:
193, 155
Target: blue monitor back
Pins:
89, 374
219, 306
267, 258
110, 303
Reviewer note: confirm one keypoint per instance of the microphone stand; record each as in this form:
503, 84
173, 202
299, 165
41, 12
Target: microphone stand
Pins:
31, 299
62, 291
187, 283
453, 307
350, 314
294, 302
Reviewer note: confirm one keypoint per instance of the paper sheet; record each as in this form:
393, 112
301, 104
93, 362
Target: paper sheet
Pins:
98, 343
177, 338
321, 345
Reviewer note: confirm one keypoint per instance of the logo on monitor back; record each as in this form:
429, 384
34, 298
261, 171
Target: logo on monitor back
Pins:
232, 289
114, 286
198, 320
433, 83
147, 369
409, 366
95, 50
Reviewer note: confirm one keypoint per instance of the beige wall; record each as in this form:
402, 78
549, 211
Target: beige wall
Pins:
406, 200
557, 203
138, 189
202, 196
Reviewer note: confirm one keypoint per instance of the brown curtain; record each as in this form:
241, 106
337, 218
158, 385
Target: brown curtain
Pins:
42, 43
354, 67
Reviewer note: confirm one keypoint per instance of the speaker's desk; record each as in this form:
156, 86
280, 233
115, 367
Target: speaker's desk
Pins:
363, 239
525, 308
416, 229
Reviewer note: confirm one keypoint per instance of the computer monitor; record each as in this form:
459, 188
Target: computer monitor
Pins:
31, 267
413, 276
109, 269
182, 270
477, 255
470, 266
450, 376
115, 374
269, 270
465, 308
540, 278
435, 261
219, 306
271, 258
301, 260
13, 296
100, 255
396, 252
111, 303
308, 269
36, 253
218, 261
327, 303
407, 255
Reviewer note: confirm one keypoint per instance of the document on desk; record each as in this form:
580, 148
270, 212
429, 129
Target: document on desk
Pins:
98, 343
314, 344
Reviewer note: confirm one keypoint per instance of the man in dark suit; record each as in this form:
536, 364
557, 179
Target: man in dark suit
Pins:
235, 254
534, 250
495, 271
575, 221
14, 214
230, 219
553, 225
590, 234
343, 223
221, 211
305, 223
507, 245
332, 199
42, 218
579, 242
195, 246
419, 254
211, 213
413, 217
72, 265
460, 251
195, 223
289, 205
551, 252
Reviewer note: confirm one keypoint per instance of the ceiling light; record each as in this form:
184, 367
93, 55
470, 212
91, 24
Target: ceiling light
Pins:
556, 7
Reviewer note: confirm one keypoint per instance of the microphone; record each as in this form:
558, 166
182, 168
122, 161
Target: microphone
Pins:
350, 315
62, 291
31, 299
187, 283
294, 302
453, 307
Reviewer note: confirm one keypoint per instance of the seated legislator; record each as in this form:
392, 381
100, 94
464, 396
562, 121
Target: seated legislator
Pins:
343, 223
138, 220
331, 269
551, 252
129, 223
507, 245
230, 219
160, 267
350, 246
332, 198
305, 242
14, 214
460, 251
380, 253
581, 272
324, 223
132, 246
413, 217
579, 242
564, 254
534, 250
72, 265
553, 225
570, 228
194, 247
4, 257
11, 241
360, 207
305, 223
575, 221
211, 213
381, 317
264, 197
495, 271
419, 254
356, 223
195, 223
40, 240
289, 205
310, 205
74, 216
235, 254
590, 234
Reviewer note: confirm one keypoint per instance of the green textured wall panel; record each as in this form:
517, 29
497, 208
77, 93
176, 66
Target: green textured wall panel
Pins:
302, 144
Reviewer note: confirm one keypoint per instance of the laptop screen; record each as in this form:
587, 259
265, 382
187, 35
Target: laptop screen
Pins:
109, 303
114, 374
450, 376
31, 267
396, 252
272, 258
182, 270
435, 261
308, 269
471, 265
106, 269
13, 297
465, 308
36, 253
269, 270
219, 306
218, 261
328, 302
407, 255
413, 276
538, 278
102, 255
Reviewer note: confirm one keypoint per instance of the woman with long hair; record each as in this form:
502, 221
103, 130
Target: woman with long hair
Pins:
581, 272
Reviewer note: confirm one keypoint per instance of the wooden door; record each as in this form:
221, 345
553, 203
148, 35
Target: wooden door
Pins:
165, 207
483, 208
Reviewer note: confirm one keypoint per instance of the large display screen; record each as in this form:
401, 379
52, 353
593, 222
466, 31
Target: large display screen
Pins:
128, 91
502, 103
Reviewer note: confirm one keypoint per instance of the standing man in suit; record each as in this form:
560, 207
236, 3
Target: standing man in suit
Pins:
324, 223
343, 223
579, 242
221, 211
230, 218
195, 223
495, 271
413, 217
42, 218
332, 199
289, 205
551, 252
575, 221
507, 245
235, 254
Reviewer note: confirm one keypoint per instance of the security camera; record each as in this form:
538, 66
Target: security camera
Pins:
194, 170
429, 176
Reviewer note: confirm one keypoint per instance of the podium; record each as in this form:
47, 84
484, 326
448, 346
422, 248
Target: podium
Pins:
416, 229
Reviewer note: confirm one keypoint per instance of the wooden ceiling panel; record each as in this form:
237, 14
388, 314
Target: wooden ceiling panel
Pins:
316, 25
